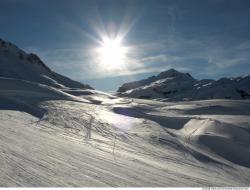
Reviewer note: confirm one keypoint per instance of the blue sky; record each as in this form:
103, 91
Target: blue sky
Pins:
208, 38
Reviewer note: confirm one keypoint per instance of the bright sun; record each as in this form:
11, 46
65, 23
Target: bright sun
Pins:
112, 54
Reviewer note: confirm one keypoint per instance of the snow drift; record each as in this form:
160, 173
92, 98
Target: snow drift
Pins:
229, 141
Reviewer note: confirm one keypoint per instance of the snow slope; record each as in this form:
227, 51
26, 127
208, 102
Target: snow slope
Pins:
174, 86
57, 135
25, 96
147, 147
15, 63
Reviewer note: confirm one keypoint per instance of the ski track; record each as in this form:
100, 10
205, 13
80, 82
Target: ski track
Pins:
53, 151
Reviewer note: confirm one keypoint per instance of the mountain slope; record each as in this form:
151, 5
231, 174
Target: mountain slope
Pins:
15, 63
173, 85
163, 75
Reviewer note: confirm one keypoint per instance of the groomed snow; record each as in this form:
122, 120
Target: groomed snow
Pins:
133, 143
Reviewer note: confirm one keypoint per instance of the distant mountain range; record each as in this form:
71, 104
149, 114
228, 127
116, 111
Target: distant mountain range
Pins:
16, 63
170, 85
173, 85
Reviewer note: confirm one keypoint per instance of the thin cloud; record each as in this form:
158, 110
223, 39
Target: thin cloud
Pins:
178, 53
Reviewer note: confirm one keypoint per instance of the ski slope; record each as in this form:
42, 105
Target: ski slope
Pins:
56, 132
132, 142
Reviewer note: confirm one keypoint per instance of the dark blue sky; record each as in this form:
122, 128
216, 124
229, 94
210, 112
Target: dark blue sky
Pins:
207, 38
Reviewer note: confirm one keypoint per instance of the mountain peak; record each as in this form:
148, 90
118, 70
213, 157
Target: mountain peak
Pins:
171, 73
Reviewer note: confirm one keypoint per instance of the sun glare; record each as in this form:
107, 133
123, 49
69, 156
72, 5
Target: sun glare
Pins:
112, 54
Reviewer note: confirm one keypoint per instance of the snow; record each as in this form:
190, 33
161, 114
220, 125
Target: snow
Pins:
151, 146
53, 134
226, 140
170, 74
172, 85
15, 63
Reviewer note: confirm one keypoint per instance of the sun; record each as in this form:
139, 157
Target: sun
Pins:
112, 54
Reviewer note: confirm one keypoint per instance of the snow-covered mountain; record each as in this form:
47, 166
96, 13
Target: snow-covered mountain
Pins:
15, 63
174, 86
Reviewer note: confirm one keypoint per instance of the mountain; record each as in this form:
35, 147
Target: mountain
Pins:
173, 85
16, 63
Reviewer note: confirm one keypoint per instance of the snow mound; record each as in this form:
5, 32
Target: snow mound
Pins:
229, 141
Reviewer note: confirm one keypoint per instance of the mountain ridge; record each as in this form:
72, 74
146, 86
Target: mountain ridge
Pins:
16, 63
175, 85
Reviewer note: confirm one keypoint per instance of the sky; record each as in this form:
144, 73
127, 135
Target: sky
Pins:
206, 38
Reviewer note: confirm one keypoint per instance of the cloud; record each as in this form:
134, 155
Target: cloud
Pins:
226, 57
206, 56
